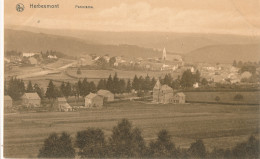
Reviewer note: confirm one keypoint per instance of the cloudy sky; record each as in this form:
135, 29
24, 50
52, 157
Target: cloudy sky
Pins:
203, 16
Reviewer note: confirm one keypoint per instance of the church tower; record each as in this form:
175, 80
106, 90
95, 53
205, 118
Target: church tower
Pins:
164, 54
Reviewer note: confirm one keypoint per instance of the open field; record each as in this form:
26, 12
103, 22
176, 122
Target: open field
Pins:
224, 97
219, 126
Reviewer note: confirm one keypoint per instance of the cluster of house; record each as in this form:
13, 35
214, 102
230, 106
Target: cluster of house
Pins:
165, 94
165, 62
32, 100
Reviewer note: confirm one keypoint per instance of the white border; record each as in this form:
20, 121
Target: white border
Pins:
1, 75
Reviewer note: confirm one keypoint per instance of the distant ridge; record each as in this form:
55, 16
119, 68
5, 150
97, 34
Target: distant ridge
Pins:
225, 53
28, 41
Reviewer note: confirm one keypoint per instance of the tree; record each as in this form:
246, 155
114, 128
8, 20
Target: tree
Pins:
57, 147
50, 92
91, 143
68, 91
63, 88
204, 82
128, 86
110, 86
152, 83
197, 149
163, 146
135, 83
187, 79
115, 84
126, 141
92, 87
85, 88
101, 84
122, 86
29, 87
15, 88
147, 83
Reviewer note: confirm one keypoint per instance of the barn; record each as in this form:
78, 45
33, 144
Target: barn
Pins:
94, 100
31, 100
107, 95
178, 98
63, 106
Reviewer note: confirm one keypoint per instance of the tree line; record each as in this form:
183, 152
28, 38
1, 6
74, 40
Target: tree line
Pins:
16, 87
127, 141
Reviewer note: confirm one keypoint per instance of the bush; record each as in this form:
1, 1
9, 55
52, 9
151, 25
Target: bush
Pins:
126, 141
238, 97
57, 147
91, 143
197, 149
217, 99
163, 146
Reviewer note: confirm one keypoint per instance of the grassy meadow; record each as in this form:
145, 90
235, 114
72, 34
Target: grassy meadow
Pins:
219, 126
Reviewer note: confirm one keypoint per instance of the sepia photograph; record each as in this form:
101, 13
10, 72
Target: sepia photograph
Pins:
158, 79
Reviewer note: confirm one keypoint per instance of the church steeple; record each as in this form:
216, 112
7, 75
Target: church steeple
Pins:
164, 54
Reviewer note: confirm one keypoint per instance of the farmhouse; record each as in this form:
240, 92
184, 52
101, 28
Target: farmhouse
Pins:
8, 102
31, 100
63, 106
178, 98
107, 95
93, 100
162, 94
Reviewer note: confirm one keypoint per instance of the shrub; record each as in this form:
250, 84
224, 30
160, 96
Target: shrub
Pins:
163, 146
197, 149
57, 147
217, 99
238, 97
91, 143
126, 141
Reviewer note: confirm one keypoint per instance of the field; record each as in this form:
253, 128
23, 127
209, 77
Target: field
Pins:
220, 126
224, 97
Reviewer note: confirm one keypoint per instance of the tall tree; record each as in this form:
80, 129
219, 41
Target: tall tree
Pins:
38, 90
29, 87
187, 79
163, 146
110, 86
122, 86
91, 143
116, 88
50, 92
63, 88
128, 86
135, 83
126, 141
92, 87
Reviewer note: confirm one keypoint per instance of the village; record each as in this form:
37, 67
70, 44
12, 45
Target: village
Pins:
206, 77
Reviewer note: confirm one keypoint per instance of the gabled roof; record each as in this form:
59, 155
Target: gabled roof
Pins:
31, 96
104, 92
7, 98
181, 94
92, 95
166, 87
157, 85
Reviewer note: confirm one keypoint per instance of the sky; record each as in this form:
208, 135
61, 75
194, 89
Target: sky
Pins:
199, 16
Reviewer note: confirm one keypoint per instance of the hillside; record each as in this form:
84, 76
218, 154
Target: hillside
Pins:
174, 42
225, 53
35, 42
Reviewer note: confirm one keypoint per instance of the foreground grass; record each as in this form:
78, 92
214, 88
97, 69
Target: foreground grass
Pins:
219, 126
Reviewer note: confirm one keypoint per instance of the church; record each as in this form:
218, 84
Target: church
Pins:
164, 94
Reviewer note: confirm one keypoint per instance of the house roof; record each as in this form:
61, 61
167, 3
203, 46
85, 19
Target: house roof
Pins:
62, 99
181, 94
7, 98
32, 96
166, 87
104, 92
157, 85
92, 95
